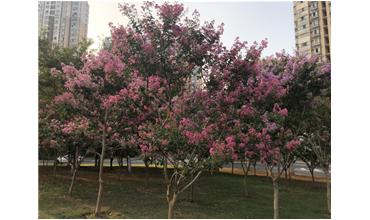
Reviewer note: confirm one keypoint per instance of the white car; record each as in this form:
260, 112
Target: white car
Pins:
64, 159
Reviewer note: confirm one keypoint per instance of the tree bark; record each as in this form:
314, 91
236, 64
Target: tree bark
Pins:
286, 173
74, 167
248, 167
328, 190
245, 171
232, 167
55, 168
245, 185
312, 175
171, 206
146, 173
128, 161
165, 171
101, 182
254, 168
276, 199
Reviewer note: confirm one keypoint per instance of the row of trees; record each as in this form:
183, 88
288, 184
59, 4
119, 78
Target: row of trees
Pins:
138, 95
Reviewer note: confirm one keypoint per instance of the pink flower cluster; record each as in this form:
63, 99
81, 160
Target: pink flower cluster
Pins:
81, 80
293, 144
154, 82
69, 70
77, 125
169, 11
246, 111
111, 100
66, 98
282, 112
224, 150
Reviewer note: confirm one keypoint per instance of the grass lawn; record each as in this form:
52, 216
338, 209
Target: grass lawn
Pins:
217, 196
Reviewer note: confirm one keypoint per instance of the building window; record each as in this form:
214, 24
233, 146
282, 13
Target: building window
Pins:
302, 9
304, 44
304, 26
302, 18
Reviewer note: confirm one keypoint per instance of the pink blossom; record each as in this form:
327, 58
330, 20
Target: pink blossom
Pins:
246, 111
164, 142
69, 70
66, 98
282, 112
291, 145
154, 82
230, 142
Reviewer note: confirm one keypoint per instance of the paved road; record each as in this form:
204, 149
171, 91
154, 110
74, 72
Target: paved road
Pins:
299, 168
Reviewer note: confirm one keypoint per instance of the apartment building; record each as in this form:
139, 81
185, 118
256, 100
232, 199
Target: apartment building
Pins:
312, 21
63, 23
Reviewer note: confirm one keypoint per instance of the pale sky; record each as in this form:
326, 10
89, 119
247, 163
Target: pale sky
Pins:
251, 21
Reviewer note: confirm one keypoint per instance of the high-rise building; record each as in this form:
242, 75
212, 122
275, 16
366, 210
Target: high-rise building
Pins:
312, 21
63, 23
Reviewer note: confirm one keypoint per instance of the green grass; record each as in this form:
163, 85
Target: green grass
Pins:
217, 196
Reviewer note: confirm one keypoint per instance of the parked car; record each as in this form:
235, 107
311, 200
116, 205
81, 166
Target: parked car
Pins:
65, 159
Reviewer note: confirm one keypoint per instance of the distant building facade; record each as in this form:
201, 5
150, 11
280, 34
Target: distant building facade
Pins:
312, 21
63, 23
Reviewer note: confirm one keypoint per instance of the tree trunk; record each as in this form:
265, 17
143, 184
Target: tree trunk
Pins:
245, 184
276, 199
101, 182
248, 167
128, 161
245, 171
171, 206
328, 190
55, 168
286, 173
96, 161
146, 173
254, 168
111, 163
75, 167
312, 175
232, 167
165, 171
72, 181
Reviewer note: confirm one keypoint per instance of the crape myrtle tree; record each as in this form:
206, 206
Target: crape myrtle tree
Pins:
49, 138
92, 90
161, 44
74, 136
183, 136
308, 99
256, 125
232, 83
50, 58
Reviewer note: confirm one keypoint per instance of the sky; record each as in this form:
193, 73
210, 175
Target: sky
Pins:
251, 21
